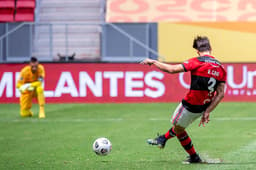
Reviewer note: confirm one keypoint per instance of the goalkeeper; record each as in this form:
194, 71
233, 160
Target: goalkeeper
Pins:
30, 86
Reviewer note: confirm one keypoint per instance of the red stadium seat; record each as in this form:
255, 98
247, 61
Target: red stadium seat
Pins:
25, 4
7, 3
24, 14
25, 10
6, 14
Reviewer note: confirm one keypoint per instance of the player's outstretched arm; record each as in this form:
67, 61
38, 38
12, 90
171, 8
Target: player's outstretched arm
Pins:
175, 68
216, 100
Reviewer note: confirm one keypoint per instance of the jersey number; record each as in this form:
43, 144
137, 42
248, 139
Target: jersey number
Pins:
211, 84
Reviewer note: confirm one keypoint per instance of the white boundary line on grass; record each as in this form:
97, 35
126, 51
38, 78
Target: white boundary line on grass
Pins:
72, 120
115, 119
218, 119
240, 158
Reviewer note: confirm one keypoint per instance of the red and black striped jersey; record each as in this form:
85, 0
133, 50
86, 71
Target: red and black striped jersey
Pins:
206, 74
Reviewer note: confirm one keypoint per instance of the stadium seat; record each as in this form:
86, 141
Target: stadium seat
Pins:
25, 10
25, 4
24, 14
7, 3
7, 10
6, 14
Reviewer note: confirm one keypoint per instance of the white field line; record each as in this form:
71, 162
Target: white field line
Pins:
242, 158
116, 119
63, 120
218, 119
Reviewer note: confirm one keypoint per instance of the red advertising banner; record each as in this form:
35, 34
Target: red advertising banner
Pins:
107, 83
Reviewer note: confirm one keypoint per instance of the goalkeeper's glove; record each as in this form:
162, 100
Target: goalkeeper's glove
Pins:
26, 86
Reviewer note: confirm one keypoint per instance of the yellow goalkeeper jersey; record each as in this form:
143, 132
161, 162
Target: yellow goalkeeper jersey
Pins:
26, 75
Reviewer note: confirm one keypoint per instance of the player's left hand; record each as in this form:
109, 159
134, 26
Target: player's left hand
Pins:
205, 119
147, 61
30, 88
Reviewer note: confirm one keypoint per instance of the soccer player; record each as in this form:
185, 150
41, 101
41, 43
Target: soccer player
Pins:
206, 91
30, 86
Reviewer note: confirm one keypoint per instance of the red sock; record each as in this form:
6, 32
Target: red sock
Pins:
186, 142
170, 134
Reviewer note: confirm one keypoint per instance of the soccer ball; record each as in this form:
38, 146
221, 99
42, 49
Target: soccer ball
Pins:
102, 146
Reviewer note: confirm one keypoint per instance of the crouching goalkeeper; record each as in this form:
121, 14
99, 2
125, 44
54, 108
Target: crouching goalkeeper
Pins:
30, 86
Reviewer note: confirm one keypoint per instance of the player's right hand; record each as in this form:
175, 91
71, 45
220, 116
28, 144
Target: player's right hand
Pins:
205, 119
24, 87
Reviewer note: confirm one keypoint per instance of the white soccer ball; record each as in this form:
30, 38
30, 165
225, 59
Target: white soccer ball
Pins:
102, 146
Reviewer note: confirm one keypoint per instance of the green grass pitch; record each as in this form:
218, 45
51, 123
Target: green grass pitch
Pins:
64, 139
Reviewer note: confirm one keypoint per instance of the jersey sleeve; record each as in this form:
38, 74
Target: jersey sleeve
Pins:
21, 78
41, 71
190, 64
